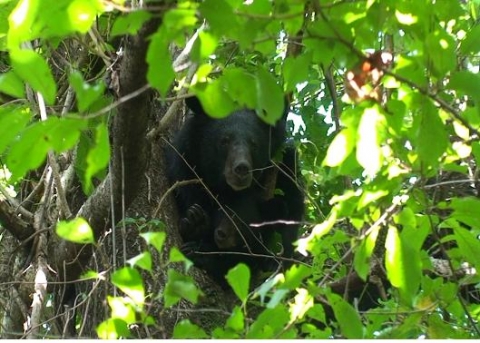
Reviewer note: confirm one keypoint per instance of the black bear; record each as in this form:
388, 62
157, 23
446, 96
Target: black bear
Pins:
233, 159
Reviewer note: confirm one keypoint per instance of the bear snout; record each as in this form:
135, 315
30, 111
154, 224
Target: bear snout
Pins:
242, 169
238, 168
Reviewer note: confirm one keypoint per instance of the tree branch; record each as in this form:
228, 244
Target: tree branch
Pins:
128, 157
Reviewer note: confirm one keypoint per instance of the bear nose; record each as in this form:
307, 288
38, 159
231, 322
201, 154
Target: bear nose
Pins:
242, 169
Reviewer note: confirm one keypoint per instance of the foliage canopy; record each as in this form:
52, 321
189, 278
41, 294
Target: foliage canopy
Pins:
385, 114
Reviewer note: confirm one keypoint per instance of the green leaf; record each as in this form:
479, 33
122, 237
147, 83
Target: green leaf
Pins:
160, 72
439, 328
90, 275
214, 99
361, 260
441, 48
176, 255
348, 319
130, 282
469, 245
269, 97
204, 46
295, 70
156, 239
12, 85
467, 83
236, 321
414, 229
264, 289
277, 297
238, 83
220, 17
35, 141
239, 279
466, 210
113, 328
295, 276
97, 157
86, 93
122, 309
12, 120
369, 196
180, 286
21, 21
471, 43
431, 130
130, 23
82, 14
403, 266
369, 154
51, 19
341, 146
186, 330
269, 323
77, 230
33, 69
143, 260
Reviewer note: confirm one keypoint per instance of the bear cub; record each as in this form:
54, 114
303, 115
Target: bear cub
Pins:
230, 164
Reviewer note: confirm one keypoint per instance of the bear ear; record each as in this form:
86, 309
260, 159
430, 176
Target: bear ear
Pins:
193, 103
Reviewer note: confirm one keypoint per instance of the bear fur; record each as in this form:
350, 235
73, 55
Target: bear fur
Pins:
233, 159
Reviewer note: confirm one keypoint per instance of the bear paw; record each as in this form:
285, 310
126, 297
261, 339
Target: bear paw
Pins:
195, 225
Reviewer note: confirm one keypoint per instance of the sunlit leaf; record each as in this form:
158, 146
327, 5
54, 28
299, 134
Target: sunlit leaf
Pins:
214, 99
97, 157
341, 146
160, 72
122, 309
130, 282
239, 279
403, 265
143, 260
113, 328
236, 321
77, 230
33, 69
156, 239
303, 301
204, 46
177, 256
369, 154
